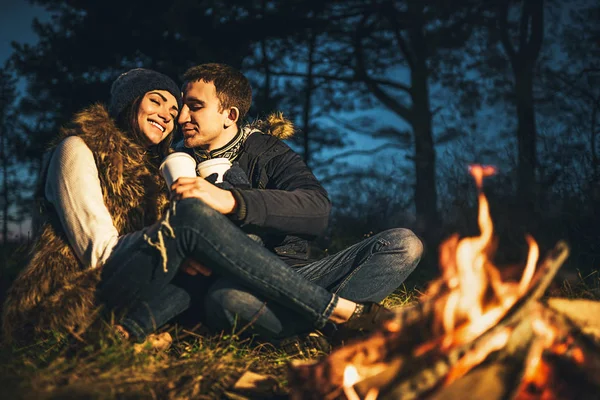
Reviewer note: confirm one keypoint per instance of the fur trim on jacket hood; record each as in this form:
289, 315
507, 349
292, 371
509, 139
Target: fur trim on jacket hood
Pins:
275, 125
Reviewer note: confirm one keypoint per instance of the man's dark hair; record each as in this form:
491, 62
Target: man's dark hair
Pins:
233, 88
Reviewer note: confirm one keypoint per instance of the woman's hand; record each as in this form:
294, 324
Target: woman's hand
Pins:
218, 199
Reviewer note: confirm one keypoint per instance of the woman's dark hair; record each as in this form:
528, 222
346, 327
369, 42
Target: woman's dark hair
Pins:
127, 121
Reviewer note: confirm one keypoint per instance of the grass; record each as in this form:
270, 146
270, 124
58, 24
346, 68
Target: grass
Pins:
194, 367
583, 287
197, 366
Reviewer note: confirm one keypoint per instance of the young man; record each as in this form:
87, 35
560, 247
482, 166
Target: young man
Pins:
282, 203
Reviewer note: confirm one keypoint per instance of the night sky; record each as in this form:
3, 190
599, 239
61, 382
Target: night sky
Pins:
15, 24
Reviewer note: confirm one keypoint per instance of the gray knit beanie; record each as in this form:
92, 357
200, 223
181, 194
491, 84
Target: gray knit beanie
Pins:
135, 83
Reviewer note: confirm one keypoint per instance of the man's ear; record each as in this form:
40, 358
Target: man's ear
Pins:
232, 117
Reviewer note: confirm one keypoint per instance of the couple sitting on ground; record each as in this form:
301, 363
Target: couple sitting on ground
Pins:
113, 237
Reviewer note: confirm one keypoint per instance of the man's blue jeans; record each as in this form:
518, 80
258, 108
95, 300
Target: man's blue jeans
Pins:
136, 278
367, 271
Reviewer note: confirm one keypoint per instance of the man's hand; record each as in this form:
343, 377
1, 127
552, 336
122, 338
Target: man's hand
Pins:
219, 199
192, 267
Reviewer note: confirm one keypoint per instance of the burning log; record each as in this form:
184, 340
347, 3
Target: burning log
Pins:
473, 332
401, 360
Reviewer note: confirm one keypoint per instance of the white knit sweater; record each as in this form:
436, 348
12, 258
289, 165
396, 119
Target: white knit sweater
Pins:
73, 187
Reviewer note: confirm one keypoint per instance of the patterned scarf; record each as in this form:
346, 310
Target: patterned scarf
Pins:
231, 150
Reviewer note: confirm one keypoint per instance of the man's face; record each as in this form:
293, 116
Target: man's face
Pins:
202, 120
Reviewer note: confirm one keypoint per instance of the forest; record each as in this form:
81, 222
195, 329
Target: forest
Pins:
393, 100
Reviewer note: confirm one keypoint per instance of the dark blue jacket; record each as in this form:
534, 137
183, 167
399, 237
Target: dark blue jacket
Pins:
286, 206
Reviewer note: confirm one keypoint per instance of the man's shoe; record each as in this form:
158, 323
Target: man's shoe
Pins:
366, 318
311, 345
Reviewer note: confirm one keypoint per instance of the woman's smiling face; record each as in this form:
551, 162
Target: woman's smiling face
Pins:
157, 115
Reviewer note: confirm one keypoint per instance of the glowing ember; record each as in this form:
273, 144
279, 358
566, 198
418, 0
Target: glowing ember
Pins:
471, 295
372, 394
350, 375
350, 378
538, 376
476, 357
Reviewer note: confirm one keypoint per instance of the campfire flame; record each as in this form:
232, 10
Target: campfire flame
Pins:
472, 297
466, 315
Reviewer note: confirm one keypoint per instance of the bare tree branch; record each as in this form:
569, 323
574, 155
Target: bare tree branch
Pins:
537, 28
503, 31
370, 174
393, 17
524, 26
378, 92
347, 125
365, 152
347, 79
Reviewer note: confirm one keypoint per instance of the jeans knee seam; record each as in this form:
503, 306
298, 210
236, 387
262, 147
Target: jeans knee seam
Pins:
340, 265
351, 274
343, 284
348, 259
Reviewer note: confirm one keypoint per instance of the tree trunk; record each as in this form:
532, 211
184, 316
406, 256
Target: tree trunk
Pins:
425, 186
4, 158
267, 71
526, 140
593, 134
594, 181
266, 64
418, 114
523, 59
308, 97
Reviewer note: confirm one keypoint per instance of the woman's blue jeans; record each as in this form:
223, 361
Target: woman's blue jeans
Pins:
136, 278
367, 271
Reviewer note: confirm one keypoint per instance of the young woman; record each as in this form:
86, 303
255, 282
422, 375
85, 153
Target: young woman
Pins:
100, 188
110, 240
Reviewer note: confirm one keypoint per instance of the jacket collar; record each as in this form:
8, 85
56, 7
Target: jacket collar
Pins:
231, 150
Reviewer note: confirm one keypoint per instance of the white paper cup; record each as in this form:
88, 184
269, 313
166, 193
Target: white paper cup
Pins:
176, 165
215, 165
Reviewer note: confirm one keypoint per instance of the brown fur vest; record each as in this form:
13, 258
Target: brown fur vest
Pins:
55, 292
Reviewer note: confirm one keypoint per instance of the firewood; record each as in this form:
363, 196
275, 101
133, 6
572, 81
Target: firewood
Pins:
387, 360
